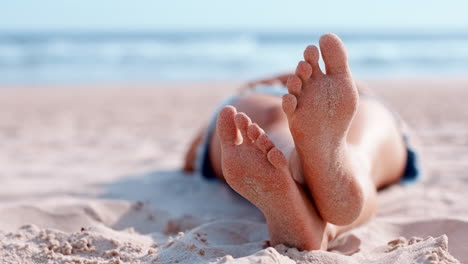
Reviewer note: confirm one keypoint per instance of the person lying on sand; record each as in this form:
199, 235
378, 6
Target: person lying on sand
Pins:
311, 157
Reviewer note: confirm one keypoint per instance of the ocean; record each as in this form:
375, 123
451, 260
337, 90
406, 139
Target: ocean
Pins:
62, 57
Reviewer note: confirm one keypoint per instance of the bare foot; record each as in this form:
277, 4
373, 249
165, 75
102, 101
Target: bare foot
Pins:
258, 171
320, 108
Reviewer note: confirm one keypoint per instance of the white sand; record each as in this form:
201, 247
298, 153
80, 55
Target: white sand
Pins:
91, 175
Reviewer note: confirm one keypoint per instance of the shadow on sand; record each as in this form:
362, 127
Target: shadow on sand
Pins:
170, 201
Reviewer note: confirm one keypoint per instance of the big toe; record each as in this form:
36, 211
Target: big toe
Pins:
334, 54
226, 126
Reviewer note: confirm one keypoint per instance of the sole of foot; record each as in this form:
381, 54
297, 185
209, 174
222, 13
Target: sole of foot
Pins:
258, 171
320, 107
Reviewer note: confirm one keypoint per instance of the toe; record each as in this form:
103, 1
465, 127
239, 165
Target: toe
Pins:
264, 143
334, 54
254, 131
242, 123
277, 159
294, 84
311, 55
304, 70
226, 127
289, 104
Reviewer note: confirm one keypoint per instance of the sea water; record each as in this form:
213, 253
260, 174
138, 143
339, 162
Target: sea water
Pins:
63, 57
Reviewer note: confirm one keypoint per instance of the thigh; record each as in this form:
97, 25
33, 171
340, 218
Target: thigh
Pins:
375, 132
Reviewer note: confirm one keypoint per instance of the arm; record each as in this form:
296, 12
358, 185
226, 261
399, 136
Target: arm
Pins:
191, 154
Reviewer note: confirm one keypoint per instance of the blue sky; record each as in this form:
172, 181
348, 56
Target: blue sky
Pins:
240, 14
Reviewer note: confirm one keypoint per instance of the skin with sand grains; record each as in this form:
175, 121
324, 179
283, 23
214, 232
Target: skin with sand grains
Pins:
311, 171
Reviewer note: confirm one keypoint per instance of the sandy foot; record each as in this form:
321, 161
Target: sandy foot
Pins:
258, 171
320, 108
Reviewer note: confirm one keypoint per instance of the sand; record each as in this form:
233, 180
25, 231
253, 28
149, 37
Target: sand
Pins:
90, 174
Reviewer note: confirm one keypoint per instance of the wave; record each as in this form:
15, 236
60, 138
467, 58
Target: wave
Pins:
215, 56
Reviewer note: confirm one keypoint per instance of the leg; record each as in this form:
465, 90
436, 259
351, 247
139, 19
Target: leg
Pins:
365, 132
375, 134
372, 154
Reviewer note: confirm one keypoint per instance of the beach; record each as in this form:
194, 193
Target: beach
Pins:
92, 174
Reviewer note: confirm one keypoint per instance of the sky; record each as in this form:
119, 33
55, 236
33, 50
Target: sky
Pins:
34, 15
